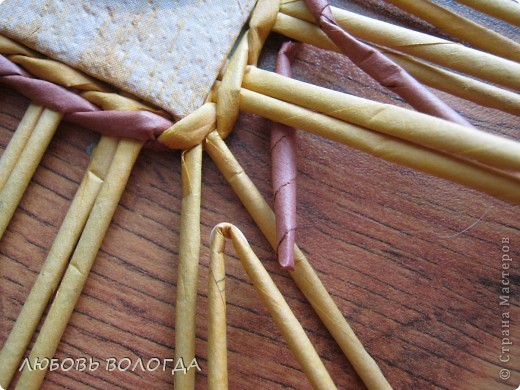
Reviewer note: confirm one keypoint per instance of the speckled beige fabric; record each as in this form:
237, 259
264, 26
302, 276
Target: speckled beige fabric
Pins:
166, 52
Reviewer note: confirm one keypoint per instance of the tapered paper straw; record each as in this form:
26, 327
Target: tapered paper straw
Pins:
381, 68
463, 28
435, 133
21, 175
431, 75
439, 51
303, 274
187, 274
54, 266
458, 85
229, 90
507, 10
81, 262
278, 308
492, 182
283, 157
18, 141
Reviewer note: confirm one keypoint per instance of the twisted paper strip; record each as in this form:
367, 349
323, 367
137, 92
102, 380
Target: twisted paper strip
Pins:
436, 50
380, 67
434, 76
140, 125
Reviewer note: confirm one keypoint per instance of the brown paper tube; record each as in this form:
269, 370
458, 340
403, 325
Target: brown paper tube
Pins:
506, 10
21, 175
189, 248
481, 178
18, 141
382, 69
458, 85
435, 133
463, 28
81, 262
439, 51
431, 75
56, 262
283, 166
278, 308
303, 274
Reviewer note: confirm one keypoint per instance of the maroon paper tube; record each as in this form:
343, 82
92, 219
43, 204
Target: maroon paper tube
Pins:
140, 125
381, 68
283, 156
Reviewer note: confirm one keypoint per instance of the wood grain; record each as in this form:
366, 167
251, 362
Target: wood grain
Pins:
413, 262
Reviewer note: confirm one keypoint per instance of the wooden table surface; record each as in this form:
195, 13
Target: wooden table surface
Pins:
412, 261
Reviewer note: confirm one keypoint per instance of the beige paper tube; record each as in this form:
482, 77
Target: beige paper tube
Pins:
439, 51
18, 141
498, 184
56, 262
508, 10
229, 90
81, 262
434, 76
275, 303
21, 175
303, 274
458, 85
463, 28
435, 133
187, 276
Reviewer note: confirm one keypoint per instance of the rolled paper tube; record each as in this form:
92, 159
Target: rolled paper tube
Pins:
58, 73
260, 25
439, 51
141, 125
21, 174
431, 75
458, 85
54, 266
229, 90
283, 156
381, 68
386, 147
435, 133
506, 10
465, 29
9, 47
18, 141
82, 260
189, 248
192, 129
281, 313
303, 274
113, 101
